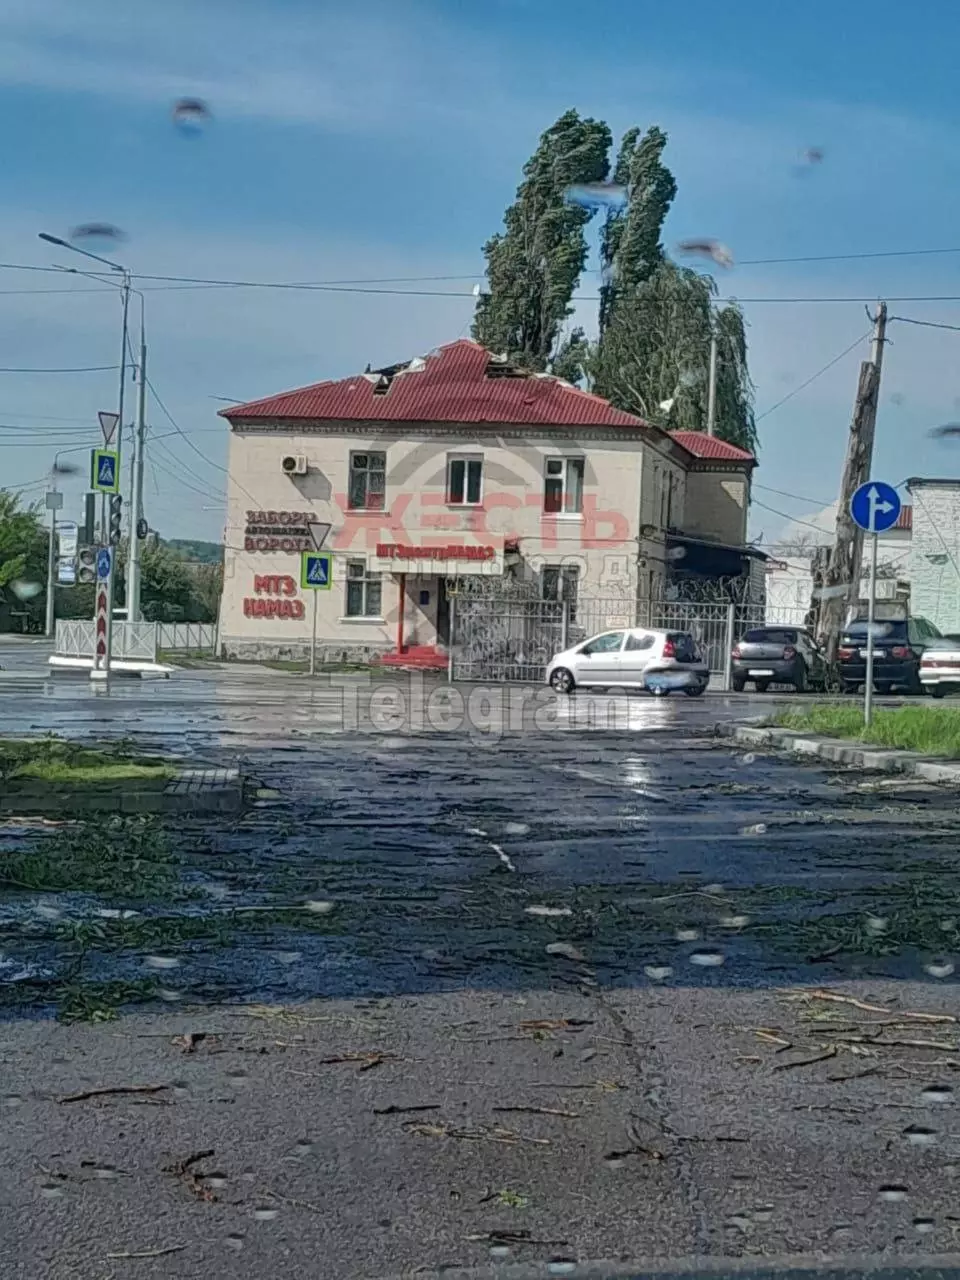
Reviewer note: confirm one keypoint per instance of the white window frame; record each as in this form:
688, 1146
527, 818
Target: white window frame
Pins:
568, 584
365, 471
466, 459
366, 578
566, 460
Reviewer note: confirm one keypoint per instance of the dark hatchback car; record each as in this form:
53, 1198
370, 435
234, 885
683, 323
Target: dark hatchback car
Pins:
778, 655
898, 645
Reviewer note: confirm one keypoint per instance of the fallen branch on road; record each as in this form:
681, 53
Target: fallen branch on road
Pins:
481, 1134
146, 1253
544, 1111
112, 1089
830, 1051
835, 997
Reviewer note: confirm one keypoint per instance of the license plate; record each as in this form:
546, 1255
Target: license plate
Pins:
863, 653
759, 673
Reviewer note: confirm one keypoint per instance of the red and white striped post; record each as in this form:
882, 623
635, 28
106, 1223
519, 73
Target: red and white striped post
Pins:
103, 615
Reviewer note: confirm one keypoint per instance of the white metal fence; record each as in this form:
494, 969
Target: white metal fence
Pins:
195, 636
76, 638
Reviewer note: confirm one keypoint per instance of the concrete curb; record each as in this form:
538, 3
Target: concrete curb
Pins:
842, 751
191, 791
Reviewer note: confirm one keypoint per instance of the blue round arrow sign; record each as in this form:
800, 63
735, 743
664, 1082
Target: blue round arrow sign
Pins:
875, 506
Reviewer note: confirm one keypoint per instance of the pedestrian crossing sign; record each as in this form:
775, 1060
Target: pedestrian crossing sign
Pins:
105, 471
316, 571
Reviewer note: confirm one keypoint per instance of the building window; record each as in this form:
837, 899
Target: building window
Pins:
563, 486
363, 591
562, 583
368, 475
464, 477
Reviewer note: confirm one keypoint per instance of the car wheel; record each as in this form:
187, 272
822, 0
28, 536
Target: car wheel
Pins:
738, 686
659, 691
694, 690
762, 686
800, 678
884, 687
936, 691
850, 686
562, 680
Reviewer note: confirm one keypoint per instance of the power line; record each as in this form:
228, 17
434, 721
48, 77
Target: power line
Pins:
813, 377
89, 368
817, 502
793, 519
927, 324
186, 484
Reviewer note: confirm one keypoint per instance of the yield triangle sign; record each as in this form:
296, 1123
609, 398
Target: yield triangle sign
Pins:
318, 533
108, 425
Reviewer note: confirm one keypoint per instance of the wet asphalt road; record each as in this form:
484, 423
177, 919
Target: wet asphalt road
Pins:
572, 930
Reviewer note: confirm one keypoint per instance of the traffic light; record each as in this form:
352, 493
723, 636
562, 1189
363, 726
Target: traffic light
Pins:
116, 518
87, 567
89, 532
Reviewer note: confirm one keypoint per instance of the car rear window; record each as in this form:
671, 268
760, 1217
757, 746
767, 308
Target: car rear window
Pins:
685, 645
856, 632
770, 635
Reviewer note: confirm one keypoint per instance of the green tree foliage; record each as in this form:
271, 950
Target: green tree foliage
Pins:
655, 318
656, 347
23, 558
533, 265
197, 549
168, 587
573, 358
630, 246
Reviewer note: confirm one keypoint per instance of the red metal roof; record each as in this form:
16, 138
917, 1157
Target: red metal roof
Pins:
905, 518
703, 446
451, 384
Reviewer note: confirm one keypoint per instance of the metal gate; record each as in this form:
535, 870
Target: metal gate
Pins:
506, 639
508, 635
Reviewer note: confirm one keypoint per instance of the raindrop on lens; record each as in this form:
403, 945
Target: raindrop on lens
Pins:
734, 922
658, 972
919, 1136
687, 935
162, 962
893, 1193
877, 924
319, 907
51, 1190
191, 115
707, 959
937, 1093
939, 968
265, 1213
97, 235
516, 829
924, 1225
234, 1241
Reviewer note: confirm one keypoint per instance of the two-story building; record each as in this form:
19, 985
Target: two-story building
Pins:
453, 466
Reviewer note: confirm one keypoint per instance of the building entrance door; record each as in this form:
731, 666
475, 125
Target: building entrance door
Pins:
443, 613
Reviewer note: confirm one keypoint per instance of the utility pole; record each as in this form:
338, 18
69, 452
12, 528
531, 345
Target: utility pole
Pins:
843, 567
712, 383
136, 505
53, 498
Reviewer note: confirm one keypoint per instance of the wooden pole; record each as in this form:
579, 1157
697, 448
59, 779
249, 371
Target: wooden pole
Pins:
843, 567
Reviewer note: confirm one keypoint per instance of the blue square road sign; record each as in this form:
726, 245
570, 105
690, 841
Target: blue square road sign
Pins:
105, 471
316, 571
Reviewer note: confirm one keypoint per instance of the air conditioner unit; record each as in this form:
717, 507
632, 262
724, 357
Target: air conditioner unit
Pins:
294, 464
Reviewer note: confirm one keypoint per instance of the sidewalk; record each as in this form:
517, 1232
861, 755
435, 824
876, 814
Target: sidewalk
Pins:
844, 751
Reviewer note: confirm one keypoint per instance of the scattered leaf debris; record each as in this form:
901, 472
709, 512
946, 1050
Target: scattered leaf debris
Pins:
482, 1133
195, 1179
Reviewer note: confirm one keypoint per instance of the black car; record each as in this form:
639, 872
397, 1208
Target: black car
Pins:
898, 645
778, 655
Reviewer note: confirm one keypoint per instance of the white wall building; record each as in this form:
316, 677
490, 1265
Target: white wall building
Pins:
451, 465
934, 562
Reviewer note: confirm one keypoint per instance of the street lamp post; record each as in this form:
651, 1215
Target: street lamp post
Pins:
124, 341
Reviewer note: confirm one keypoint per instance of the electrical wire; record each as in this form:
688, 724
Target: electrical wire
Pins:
182, 482
813, 377
927, 324
783, 515
817, 502
89, 368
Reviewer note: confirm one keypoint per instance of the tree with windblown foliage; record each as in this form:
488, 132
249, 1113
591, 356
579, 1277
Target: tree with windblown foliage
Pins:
630, 247
534, 264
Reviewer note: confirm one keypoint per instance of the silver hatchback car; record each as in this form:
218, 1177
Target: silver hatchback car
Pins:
638, 658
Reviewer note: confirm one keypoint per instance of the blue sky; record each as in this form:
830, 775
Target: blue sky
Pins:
382, 140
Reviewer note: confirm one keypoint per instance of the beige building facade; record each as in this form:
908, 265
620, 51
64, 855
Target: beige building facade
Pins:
414, 504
